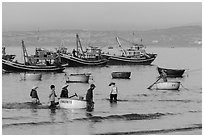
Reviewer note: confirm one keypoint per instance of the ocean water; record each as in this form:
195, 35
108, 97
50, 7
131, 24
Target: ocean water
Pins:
138, 110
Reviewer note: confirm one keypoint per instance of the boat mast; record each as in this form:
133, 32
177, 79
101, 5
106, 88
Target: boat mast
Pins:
79, 42
119, 44
25, 54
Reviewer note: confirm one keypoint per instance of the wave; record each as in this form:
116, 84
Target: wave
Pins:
24, 105
179, 100
29, 124
162, 131
132, 116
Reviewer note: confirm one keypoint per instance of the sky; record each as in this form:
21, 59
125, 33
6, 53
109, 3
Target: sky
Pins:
24, 16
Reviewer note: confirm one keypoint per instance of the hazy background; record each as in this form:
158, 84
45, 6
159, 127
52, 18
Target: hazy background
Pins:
22, 16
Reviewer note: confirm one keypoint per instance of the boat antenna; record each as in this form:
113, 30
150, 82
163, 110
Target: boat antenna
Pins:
25, 53
79, 42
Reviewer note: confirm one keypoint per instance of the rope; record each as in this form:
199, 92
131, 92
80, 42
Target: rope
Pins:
184, 87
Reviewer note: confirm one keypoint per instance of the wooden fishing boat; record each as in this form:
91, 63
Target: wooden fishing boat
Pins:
121, 75
170, 85
172, 72
42, 61
31, 76
81, 78
136, 55
72, 103
91, 57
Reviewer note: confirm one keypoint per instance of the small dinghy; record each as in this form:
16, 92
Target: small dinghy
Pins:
171, 72
170, 85
81, 78
122, 75
31, 76
72, 103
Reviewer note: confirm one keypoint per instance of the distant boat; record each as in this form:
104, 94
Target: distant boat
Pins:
136, 55
81, 78
167, 85
121, 75
91, 57
172, 72
42, 61
31, 76
72, 103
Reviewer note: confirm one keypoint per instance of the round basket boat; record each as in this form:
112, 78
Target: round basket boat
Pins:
31, 76
72, 103
167, 85
81, 78
121, 75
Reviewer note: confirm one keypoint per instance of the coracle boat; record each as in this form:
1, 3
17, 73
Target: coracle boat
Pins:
91, 57
81, 78
72, 103
31, 76
42, 61
171, 72
121, 75
167, 85
136, 55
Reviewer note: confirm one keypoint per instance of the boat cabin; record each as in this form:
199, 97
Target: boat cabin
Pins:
93, 52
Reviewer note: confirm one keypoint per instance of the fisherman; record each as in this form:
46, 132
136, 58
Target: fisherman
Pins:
34, 95
89, 97
64, 92
163, 75
74, 52
52, 97
113, 92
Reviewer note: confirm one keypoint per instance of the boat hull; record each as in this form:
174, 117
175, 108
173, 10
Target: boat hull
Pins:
71, 103
121, 75
120, 60
18, 67
81, 78
172, 72
31, 76
167, 85
77, 62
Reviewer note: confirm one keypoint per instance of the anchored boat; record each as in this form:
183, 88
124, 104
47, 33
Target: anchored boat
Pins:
42, 61
170, 85
121, 75
171, 72
91, 57
81, 78
136, 55
31, 76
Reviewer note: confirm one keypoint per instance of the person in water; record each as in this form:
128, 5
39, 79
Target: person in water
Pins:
113, 92
163, 75
34, 95
89, 97
52, 97
64, 92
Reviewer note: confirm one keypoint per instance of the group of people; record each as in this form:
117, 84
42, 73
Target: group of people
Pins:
89, 94
64, 94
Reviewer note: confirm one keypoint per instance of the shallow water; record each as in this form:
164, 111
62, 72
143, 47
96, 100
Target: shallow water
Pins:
138, 111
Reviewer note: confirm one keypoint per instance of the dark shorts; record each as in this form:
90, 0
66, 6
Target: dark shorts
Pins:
113, 97
53, 104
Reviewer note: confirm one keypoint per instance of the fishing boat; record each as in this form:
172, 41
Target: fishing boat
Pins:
42, 61
121, 75
136, 55
171, 72
91, 57
170, 85
72, 103
81, 78
31, 76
